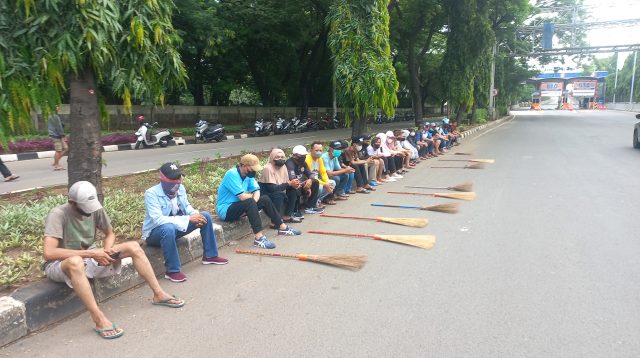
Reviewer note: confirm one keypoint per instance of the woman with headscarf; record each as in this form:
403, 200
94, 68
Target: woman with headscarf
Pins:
389, 157
274, 182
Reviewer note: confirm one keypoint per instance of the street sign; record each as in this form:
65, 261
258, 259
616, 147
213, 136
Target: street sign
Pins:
495, 92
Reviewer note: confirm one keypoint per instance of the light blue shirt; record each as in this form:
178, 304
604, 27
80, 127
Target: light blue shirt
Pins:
330, 164
232, 185
159, 207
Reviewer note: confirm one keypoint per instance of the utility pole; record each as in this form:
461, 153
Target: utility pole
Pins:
493, 78
615, 81
633, 78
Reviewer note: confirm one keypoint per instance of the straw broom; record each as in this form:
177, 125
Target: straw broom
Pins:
351, 262
412, 222
459, 153
460, 187
469, 196
423, 241
474, 166
448, 208
488, 161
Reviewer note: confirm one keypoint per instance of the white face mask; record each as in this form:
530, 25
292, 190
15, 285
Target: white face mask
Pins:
358, 147
412, 133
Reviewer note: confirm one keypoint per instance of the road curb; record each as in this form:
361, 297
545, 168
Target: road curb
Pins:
51, 153
36, 306
473, 130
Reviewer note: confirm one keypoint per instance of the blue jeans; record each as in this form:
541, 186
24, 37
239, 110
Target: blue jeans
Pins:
349, 185
341, 181
166, 235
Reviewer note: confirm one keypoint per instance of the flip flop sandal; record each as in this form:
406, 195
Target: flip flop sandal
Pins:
330, 202
338, 197
12, 178
58, 168
101, 332
167, 304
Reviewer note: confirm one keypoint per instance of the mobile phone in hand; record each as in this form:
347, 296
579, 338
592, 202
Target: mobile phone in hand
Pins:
115, 255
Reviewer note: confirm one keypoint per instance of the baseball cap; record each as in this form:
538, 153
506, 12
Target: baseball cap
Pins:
359, 139
251, 161
445, 120
335, 144
433, 124
300, 150
85, 195
171, 171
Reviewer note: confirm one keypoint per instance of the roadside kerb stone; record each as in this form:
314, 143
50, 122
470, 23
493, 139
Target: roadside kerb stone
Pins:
12, 320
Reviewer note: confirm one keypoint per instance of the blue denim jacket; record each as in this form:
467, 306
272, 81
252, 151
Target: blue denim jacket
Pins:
159, 206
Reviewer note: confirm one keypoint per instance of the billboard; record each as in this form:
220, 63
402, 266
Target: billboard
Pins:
551, 89
584, 88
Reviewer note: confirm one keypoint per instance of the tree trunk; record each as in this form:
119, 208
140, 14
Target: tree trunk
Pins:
474, 115
358, 126
414, 84
85, 147
462, 109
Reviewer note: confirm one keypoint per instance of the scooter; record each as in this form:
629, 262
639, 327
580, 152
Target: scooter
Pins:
148, 139
207, 133
297, 125
282, 125
262, 127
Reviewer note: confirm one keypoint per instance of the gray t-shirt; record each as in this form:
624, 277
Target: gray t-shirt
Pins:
75, 231
55, 127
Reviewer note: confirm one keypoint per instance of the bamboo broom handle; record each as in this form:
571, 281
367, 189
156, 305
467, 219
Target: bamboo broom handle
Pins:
348, 217
340, 233
239, 251
451, 167
410, 192
397, 206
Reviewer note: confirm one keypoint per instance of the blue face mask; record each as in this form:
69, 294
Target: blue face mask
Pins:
337, 152
170, 189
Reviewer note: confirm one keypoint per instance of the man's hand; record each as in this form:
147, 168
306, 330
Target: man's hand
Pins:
328, 187
102, 257
294, 183
307, 184
198, 219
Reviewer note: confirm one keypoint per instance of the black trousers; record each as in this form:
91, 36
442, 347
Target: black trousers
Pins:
4, 170
391, 164
399, 162
361, 176
311, 200
251, 208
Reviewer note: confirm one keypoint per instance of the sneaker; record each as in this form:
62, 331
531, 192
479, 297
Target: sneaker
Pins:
313, 211
289, 231
298, 215
175, 276
264, 243
293, 219
373, 183
390, 179
396, 176
216, 260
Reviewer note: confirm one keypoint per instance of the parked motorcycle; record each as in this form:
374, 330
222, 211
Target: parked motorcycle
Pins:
262, 127
282, 125
298, 125
208, 133
146, 137
313, 125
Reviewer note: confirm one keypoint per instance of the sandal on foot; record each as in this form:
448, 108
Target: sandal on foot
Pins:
167, 302
102, 332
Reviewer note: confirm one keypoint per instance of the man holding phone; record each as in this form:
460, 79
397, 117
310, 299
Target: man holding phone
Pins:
169, 217
72, 256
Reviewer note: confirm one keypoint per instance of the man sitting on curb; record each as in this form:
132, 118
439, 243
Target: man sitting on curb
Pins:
72, 257
169, 216
336, 170
316, 164
297, 168
239, 194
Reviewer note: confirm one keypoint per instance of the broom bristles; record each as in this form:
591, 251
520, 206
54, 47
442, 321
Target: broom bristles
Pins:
488, 161
462, 187
475, 166
459, 153
423, 241
413, 222
448, 208
469, 196
351, 262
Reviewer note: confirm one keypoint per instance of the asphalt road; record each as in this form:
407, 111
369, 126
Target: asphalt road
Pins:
39, 172
543, 264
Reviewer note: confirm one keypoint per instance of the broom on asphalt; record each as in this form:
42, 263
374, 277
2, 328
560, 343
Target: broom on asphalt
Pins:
448, 208
459, 153
488, 161
469, 196
351, 262
460, 187
474, 166
423, 241
413, 222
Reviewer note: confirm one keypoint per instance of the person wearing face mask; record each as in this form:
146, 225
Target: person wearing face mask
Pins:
275, 183
337, 171
318, 171
239, 194
375, 152
353, 157
308, 191
169, 216
72, 256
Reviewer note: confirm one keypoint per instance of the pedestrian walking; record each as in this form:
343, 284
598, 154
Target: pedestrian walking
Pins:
6, 173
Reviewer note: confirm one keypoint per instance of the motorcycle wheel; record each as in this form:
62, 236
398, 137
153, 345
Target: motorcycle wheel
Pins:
195, 139
138, 144
164, 143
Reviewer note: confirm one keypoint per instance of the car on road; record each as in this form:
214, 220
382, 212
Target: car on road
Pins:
636, 134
